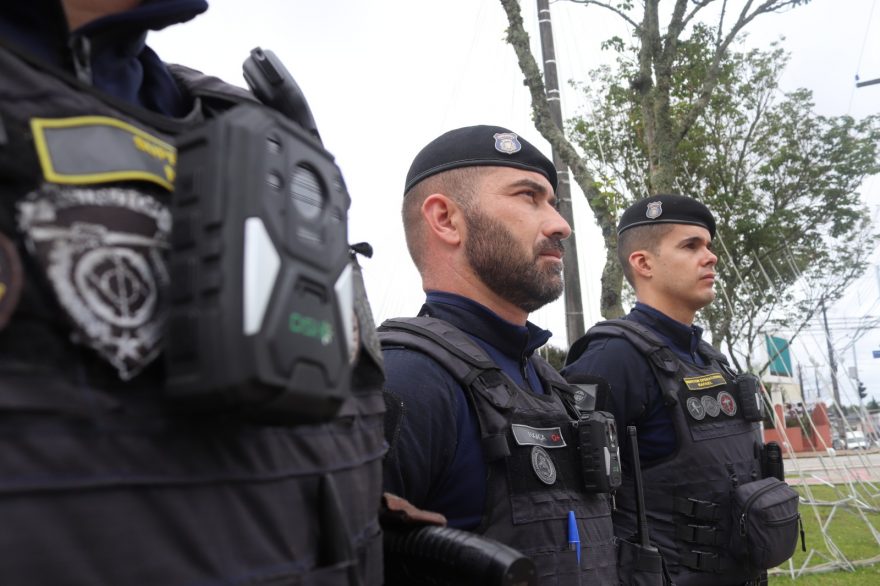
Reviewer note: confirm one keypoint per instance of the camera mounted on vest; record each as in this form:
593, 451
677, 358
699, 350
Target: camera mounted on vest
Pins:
751, 398
262, 312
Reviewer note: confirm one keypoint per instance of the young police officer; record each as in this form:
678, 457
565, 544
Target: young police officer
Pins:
694, 443
481, 429
101, 481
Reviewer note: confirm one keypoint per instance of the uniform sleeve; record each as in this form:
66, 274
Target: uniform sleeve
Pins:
434, 443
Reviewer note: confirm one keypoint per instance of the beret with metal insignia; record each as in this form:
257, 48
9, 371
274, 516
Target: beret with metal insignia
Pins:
474, 146
667, 209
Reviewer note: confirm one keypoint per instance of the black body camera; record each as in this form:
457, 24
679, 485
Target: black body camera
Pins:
600, 452
261, 319
750, 398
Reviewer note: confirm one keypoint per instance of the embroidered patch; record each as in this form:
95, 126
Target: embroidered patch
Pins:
96, 149
507, 143
728, 403
103, 251
696, 409
655, 208
11, 279
543, 466
698, 383
549, 437
710, 405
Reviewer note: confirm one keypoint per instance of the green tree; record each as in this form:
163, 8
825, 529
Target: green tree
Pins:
667, 112
781, 180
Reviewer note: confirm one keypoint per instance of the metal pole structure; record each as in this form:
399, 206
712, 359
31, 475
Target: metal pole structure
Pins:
856, 372
831, 359
801, 382
574, 308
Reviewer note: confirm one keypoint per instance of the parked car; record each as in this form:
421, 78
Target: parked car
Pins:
856, 440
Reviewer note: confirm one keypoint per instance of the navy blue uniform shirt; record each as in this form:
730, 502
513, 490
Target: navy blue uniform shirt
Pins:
636, 398
435, 461
112, 49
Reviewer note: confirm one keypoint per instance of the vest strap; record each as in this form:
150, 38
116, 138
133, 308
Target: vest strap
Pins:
704, 561
700, 534
697, 509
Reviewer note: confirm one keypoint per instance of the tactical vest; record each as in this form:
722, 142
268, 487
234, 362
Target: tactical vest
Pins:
100, 483
530, 445
687, 495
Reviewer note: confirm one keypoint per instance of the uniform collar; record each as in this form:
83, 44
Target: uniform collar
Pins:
481, 322
683, 337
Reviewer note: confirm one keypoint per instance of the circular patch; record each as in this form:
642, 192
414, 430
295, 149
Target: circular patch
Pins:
11, 279
727, 402
543, 466
696, 409
711, 405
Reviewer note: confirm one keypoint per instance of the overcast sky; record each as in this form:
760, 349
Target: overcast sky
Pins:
384, 77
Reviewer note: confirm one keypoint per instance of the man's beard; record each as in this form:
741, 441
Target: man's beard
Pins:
497, 258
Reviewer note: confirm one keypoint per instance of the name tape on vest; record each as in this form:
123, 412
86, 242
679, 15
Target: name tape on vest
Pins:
548, 437
97, 149
708, 381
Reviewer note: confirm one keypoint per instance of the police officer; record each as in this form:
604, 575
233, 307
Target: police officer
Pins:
695, 444
101, 481
481, 429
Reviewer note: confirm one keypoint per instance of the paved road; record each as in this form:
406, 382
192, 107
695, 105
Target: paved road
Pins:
842, 466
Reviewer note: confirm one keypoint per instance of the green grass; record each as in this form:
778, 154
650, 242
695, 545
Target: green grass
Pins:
849, 533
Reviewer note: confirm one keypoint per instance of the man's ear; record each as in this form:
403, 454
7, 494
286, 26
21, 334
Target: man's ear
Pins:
642, 263
443, 218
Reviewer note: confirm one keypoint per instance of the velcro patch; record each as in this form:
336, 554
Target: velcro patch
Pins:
548, 437
708, 381
97, 149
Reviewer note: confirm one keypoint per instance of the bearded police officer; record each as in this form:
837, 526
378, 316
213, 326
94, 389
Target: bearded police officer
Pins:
698, 439
106, 476
481, 429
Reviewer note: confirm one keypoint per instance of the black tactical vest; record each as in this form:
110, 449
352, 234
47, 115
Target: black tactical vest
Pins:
100, 484
687, 495
530, 445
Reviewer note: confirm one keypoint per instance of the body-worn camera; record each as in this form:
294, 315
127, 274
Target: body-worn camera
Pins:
261, 318
600, 452
750, 398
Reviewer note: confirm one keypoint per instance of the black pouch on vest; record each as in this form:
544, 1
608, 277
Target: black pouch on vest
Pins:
766, 523
771, 461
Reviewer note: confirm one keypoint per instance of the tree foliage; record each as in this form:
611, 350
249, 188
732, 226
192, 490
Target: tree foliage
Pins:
781, 181
687, 110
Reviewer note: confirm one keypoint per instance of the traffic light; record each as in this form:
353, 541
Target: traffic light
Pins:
863, 392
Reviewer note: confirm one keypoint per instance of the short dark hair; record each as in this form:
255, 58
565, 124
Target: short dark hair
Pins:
645, 237
460, 185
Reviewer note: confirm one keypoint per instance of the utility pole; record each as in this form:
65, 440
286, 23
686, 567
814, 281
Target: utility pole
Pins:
574, 308
831, 359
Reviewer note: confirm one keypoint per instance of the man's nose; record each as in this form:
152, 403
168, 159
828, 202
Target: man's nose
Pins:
557, 226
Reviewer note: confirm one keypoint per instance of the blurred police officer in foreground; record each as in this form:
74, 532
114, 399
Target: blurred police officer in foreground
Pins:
482, 429
102, 479
698, 439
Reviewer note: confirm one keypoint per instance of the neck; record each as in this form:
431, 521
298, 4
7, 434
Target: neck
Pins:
467, 284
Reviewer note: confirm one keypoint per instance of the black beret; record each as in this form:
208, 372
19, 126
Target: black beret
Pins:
667, 209
474, 146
